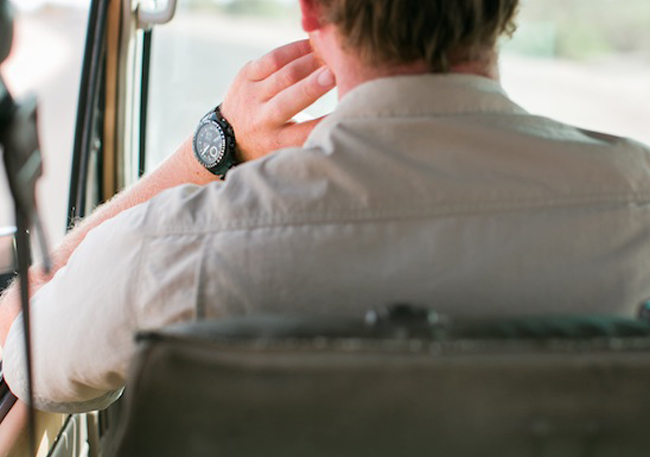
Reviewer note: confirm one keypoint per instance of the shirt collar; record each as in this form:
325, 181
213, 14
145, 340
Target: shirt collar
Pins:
419, 95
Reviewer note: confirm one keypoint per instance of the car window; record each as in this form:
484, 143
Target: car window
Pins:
584, 62
45, 61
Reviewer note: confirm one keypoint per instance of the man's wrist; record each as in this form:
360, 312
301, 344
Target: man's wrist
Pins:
214, 143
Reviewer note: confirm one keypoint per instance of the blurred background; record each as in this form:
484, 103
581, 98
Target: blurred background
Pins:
584, 62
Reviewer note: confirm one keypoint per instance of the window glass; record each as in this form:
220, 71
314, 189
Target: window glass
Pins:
585, 62
45, 60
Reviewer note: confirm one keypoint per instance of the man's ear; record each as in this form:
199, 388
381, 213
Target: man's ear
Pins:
311, 10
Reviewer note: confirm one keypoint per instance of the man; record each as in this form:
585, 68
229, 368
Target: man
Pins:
427, 185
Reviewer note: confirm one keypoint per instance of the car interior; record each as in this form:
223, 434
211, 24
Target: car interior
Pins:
399, 380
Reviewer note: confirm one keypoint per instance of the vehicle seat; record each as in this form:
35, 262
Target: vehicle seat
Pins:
401, 383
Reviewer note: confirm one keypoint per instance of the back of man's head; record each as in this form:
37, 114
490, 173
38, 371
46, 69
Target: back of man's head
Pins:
442, 33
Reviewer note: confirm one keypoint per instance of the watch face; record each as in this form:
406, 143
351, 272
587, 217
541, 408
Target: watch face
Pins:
209, 144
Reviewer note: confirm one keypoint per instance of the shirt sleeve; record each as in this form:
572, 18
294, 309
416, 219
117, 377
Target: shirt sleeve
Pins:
83, 323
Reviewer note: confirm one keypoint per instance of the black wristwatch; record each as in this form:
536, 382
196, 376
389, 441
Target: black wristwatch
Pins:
214, 143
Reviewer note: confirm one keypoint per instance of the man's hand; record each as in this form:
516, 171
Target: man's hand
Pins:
268, 92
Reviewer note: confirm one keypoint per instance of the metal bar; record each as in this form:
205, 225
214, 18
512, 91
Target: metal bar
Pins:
91, 73
144, 99
22, 246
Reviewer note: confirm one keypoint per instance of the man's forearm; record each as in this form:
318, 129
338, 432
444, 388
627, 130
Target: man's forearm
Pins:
180, 168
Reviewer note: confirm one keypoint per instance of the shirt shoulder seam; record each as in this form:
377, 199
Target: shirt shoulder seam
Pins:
337, 215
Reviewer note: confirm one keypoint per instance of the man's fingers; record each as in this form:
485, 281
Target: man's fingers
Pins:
270, 63
297, 97
290, 74
269, 92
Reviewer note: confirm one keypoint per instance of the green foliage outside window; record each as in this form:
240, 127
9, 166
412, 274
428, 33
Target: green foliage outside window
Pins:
583, 29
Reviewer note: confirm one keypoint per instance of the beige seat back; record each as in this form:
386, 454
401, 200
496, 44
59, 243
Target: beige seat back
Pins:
414, 386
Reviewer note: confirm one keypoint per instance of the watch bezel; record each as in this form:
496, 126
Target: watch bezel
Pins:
206, 123
228, 156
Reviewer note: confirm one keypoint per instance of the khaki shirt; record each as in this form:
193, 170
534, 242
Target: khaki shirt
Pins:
430, 190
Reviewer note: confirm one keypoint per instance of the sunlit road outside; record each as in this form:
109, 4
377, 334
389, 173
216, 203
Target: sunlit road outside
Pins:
46, 61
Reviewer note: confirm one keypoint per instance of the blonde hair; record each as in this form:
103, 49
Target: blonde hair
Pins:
441, 33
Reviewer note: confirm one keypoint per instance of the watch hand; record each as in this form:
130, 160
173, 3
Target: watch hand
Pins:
206, 148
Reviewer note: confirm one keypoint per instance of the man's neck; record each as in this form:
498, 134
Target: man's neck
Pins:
349, 76
351, 72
